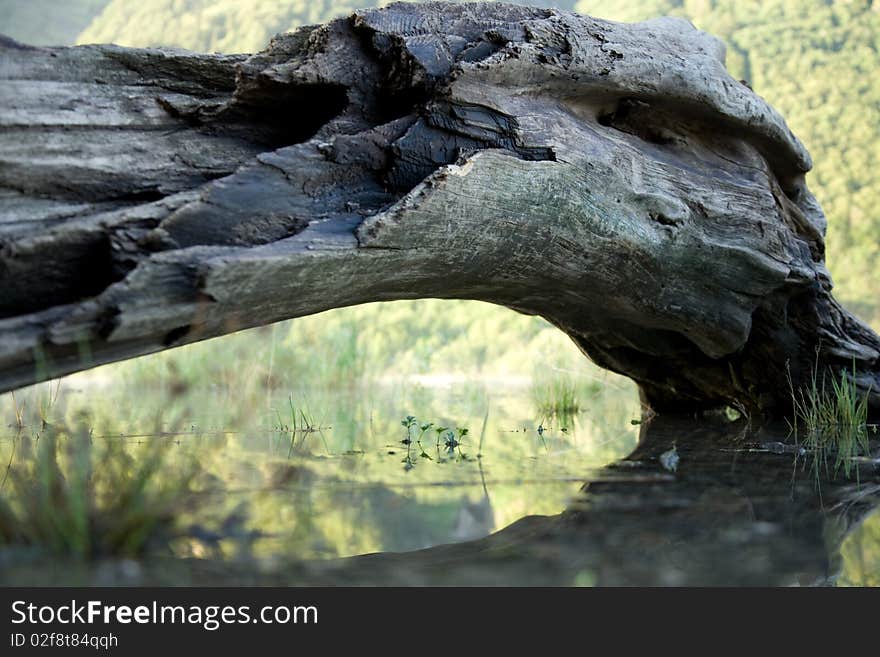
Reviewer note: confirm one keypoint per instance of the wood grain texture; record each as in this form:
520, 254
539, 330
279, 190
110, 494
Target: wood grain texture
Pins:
612, 178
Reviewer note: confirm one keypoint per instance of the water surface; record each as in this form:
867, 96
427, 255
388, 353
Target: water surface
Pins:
316, 486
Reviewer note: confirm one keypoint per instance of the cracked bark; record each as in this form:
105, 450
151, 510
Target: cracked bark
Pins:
612, 178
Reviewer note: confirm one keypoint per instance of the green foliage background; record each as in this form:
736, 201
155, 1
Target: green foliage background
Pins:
47, 22
815, 60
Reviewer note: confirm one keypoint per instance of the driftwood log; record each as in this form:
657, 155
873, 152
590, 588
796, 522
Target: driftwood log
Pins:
612, 178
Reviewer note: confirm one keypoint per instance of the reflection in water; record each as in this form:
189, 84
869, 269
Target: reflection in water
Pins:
474, 519
738, 511
326, 491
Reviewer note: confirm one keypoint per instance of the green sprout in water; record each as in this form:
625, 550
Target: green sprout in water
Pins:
423, 429
451, 442
440, 431
408, 422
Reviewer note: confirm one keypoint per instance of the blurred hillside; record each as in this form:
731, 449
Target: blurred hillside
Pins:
223, 25
47, 22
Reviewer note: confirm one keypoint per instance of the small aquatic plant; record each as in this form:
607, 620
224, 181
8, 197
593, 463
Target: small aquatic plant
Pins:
422, 430
408, 423
451, 442
440, 431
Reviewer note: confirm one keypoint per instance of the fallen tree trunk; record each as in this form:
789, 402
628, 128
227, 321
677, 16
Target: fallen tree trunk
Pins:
609, 177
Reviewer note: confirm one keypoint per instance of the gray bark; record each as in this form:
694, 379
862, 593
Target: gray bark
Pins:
612, 178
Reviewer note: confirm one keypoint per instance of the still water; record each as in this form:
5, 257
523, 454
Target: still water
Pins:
330, 487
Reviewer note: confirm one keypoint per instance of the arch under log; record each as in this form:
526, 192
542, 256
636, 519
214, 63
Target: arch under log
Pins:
612, 178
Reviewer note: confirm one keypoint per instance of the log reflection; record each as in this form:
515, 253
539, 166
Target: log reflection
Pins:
741, 509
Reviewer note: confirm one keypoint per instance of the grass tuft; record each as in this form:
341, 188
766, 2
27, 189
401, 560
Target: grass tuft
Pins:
832, 418
67, 496
561, 395
556, 394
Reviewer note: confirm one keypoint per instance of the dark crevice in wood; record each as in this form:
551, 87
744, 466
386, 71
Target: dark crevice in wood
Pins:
634, 117
31, 283
175, 335
275, 114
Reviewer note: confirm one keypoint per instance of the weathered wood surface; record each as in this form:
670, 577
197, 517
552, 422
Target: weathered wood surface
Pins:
612, 178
